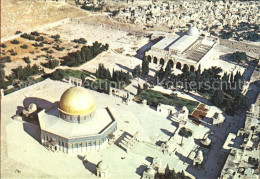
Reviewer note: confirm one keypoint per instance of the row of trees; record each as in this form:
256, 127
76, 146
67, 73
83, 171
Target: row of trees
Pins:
22, 73
51, 64
144, 70
3, 83
238, 57
86, 53
171, 174
224, 92
80, 41
104, 73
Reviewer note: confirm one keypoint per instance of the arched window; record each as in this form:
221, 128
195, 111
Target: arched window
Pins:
192, 69
155, 60
149, 58
170, 62
178, 65
162, 61
185, 67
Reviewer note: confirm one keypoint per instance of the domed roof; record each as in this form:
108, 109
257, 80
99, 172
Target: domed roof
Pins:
193, 31
32, 107
77, 101
150, 171
102, 165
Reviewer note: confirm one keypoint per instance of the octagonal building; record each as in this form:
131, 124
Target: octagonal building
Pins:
78, 125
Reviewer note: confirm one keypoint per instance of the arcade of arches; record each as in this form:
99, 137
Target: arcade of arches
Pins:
177, 65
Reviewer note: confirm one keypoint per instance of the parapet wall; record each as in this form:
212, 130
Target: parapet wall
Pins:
242, 46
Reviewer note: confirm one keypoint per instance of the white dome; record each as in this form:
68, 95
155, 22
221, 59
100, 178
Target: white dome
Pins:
32, 107
150, 171
102, 166
193, 31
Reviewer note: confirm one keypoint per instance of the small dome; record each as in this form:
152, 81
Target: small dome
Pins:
150, 171
184, 108
193, 31
32, 107
102, 165
77, 101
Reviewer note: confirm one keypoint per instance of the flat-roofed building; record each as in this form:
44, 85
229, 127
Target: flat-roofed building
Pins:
189, 50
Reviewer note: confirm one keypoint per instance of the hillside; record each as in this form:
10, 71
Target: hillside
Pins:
24, 15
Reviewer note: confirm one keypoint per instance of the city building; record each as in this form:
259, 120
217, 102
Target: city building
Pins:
189, 50
78, 125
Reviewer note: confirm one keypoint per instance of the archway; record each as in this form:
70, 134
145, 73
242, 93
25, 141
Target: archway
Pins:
155, 60
162, 61
192, 69
149, 58
185, 67
178, 65
170, 62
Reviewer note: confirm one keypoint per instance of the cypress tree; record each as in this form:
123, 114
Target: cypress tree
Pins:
145, 67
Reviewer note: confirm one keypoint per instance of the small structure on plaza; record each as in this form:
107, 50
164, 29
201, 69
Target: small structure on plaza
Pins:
31, 109
166, 148
78, 125
75, 81
102, 169
157, 162
165, 109
149, 173
181, 115
198, 158
218, 119
206, 141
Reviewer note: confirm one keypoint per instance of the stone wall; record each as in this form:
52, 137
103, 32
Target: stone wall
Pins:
241, 46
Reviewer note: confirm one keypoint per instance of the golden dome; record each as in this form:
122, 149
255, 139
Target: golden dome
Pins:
77, 101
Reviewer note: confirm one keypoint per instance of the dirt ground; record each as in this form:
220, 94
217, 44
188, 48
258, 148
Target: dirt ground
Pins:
35, 54
24, 15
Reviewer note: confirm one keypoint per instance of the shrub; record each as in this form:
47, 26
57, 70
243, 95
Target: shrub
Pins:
50, 51
24, 46
44, 49
35, 33
27, 36
5, 59
38, 44
12, 52
15, 42
57, 36
27, 60
57, 75
39, 39
3, 45
51, 64
80, 41
58, 48
18, 32
238, 57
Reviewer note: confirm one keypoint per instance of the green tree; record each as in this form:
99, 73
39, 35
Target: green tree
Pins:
145, 66
183, 132
218, 97
139, 89
168, 70
137, 71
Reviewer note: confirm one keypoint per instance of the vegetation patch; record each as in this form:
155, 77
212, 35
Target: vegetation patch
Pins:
154, 98
51, 64
84, 55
